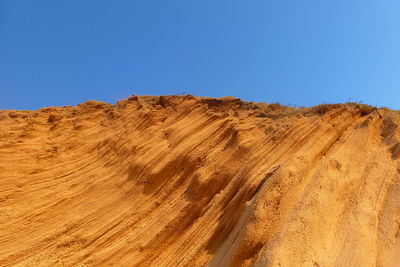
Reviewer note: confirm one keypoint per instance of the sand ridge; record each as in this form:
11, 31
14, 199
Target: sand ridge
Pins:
194, 181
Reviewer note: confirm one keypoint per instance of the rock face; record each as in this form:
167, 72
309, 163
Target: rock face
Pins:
189, 181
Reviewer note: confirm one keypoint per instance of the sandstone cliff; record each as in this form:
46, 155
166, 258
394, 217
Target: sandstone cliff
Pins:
189, 181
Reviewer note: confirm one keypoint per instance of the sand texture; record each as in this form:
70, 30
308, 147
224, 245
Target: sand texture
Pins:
190, 181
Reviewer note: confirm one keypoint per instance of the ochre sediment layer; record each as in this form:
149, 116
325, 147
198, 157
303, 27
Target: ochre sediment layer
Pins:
190, 181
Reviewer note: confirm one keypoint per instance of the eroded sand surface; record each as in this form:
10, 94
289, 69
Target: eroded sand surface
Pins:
187, 181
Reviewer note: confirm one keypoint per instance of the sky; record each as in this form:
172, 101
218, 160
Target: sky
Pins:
309, 52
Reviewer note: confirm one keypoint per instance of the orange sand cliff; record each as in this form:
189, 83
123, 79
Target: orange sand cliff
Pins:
189, 181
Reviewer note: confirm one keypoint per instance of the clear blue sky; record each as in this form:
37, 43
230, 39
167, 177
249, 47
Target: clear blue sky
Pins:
300, 52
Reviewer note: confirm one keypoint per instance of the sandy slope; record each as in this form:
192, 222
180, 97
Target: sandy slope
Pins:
186, 181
